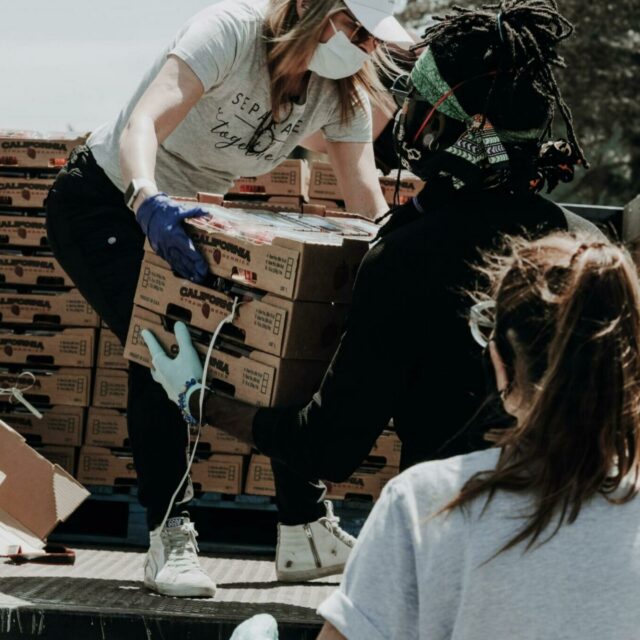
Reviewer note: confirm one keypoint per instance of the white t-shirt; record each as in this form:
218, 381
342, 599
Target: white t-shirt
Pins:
414, 577
225, 48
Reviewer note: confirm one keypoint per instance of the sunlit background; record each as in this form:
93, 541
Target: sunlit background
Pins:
73, 63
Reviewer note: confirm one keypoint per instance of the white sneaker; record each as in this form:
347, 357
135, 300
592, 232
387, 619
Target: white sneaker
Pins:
171, 566
313, 550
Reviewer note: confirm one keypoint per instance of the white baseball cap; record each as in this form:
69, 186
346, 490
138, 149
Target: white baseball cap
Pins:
377, 18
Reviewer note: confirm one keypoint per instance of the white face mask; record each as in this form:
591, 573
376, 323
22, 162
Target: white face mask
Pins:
338, 58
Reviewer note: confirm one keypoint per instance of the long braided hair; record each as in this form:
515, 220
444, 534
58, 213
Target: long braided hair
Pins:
526, 34
502, 59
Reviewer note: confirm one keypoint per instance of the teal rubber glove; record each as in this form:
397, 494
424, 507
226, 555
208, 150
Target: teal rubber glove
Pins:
176, 374
260, 627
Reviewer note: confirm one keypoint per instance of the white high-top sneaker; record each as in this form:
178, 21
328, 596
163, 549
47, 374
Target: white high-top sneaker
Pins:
312, 550
171, 566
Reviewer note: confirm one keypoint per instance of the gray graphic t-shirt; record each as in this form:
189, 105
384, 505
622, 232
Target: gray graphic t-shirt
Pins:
225, 48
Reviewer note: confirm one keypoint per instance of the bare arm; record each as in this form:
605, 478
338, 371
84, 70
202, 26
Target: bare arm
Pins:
318, 143
163, 106
329, 632
230, 415
315, 142
355, 168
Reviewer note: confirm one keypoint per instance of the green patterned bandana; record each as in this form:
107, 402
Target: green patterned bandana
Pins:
427, 80
481, 146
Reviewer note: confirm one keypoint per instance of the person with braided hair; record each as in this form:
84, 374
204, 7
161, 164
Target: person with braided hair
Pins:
476, 119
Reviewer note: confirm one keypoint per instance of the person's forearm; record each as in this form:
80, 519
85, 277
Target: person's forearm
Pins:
367, 201
232, 416
138, 149
355, 168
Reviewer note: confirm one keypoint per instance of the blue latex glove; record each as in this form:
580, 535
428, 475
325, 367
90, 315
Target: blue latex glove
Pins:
174, 373
260, 627
161, 220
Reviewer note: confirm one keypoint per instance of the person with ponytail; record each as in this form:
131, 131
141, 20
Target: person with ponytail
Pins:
476, 120
240, 85
536, 537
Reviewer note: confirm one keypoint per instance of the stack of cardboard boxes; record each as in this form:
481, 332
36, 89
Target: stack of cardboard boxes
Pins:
367, 481
105, 457
292, 276
286, 188
46, 327
296, 187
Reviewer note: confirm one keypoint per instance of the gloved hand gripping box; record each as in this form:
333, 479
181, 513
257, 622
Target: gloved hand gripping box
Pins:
249, 375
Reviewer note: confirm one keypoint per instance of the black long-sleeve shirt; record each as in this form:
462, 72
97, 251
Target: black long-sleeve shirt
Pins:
407, 353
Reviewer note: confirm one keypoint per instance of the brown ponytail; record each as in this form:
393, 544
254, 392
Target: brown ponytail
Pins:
568, 328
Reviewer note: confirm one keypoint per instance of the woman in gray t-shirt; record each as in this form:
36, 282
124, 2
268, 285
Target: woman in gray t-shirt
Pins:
538, 537
240, 85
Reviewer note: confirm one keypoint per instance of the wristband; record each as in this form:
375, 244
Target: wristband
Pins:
134, 188
183, 401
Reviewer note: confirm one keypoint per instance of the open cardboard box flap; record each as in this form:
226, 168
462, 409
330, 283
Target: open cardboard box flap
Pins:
35, 495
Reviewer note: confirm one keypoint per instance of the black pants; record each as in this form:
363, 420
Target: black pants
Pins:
98, 242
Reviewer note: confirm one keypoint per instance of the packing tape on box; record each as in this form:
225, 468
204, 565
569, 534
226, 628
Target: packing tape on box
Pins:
16, 392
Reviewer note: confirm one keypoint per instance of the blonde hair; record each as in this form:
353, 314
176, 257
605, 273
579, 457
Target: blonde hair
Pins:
291, 42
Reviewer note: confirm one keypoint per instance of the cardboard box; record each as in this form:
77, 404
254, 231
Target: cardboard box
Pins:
59, 425
217, 441
330, 205
66, 348
110, 351
23, 231
67, 308
260, 480
35, 495
218, 473
295, 330
64, 386
111, 389
64, 457
265, 205
387, 450
366, 482
323, 184
410, 186
33, 149
290, 178
110, 467
251, 376
19, 269
19, 192
106, 428
297, 257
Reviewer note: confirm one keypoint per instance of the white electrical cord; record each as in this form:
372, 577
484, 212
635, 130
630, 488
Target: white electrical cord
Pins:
203, 388
16, 392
